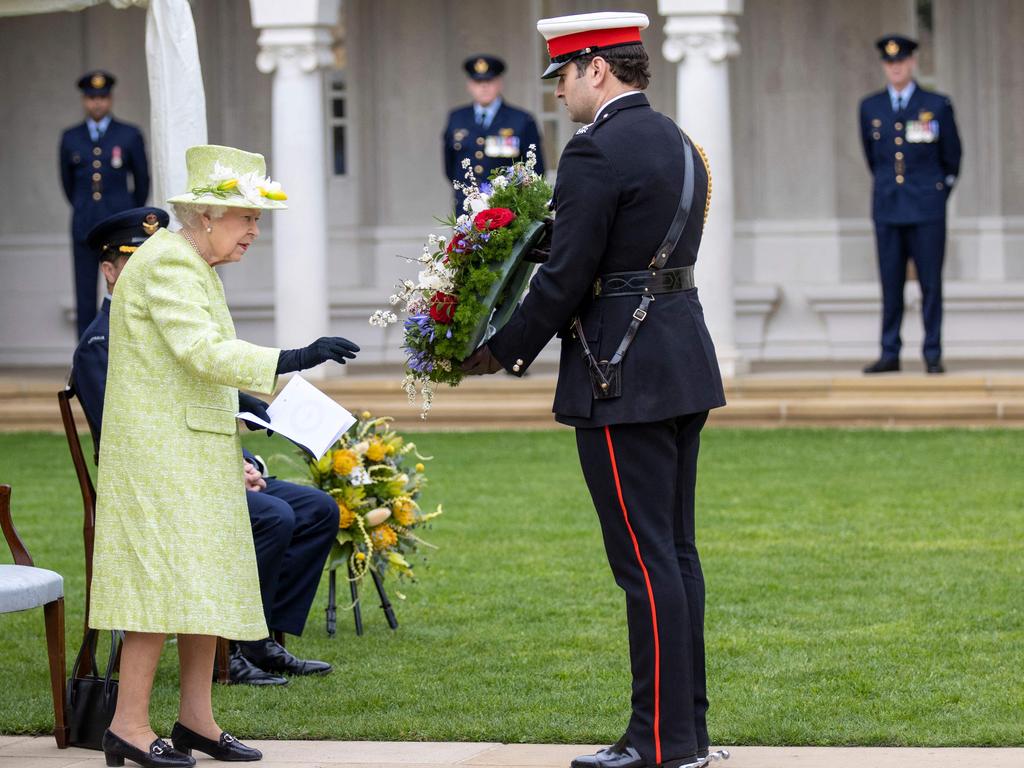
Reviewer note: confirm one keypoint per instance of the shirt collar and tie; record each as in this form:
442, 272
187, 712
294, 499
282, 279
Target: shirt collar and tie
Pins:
485, 115
97, 129
900, 99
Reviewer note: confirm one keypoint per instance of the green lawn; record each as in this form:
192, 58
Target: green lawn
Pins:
864, 587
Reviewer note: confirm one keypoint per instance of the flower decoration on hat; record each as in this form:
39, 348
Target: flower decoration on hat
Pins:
225, 182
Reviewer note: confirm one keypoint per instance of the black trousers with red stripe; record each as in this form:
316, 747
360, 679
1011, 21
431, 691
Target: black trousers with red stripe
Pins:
642, 479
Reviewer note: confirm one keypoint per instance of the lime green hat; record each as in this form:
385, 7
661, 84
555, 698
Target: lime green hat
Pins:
228, 176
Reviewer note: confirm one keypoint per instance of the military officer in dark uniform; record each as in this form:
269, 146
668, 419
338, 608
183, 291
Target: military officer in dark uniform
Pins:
488, 133
638, 371
293, 526
913, 152
96, 158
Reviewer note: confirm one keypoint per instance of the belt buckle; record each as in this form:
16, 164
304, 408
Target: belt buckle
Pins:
639, 314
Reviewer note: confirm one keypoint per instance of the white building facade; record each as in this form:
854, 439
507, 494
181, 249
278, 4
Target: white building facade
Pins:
347, 98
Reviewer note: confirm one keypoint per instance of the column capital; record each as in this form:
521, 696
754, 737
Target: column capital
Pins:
711, 36
308, 49
706, 27
298, 32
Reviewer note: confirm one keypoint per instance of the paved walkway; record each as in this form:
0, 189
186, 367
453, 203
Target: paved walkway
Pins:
38, 752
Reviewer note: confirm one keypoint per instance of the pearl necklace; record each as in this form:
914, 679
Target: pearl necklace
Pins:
184, 233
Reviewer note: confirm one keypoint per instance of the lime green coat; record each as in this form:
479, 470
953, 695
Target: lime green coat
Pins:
174, 549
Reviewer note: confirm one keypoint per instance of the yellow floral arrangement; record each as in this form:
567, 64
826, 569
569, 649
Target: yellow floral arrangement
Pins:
375, 476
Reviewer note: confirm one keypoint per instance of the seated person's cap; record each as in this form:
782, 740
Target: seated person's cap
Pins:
122, 233
895, 47
96, 83
483, 67
582, 33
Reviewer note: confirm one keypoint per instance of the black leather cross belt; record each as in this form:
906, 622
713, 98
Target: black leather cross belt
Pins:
647, 282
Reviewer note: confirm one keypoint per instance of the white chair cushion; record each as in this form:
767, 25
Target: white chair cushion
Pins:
23, 587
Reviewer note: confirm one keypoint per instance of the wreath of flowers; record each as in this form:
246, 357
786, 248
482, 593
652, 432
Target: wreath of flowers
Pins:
375, 477
227, 183
444, 308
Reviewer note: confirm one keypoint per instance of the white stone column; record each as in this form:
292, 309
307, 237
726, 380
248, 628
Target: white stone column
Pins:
700, 37
295, 45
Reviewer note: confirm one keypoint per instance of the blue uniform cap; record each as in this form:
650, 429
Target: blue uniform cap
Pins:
122, 233
483, 67
895, 47
96, 83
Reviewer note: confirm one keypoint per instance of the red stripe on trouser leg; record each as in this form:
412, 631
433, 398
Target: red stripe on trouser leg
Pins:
650, 597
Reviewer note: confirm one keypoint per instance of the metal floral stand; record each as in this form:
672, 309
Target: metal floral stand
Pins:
357, 614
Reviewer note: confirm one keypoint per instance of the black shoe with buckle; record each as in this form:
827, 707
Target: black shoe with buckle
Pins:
227, 748
241, 671
271, 656
883, 365
160, 755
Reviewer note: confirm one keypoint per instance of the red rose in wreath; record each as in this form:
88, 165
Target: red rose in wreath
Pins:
493, 218
442, 307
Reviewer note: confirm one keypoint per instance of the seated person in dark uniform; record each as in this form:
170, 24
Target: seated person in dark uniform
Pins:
489, 133
293, 526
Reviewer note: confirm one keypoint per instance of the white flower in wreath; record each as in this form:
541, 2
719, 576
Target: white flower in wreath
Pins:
478, 203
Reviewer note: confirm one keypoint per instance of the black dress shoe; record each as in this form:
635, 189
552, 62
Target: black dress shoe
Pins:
883, 365
618, 755
160, 755
241, 671
270, 656
227, 748
622, 755
934, 366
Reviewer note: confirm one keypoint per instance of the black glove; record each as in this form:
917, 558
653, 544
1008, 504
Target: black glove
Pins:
481, 363
250, 404
320, 351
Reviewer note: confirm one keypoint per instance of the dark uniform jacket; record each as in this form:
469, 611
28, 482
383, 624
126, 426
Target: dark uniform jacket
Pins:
913, 155
95, 175
89, 374
618, 187
504, 142
89, 368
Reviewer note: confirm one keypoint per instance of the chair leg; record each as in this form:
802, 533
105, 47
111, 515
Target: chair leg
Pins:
53, 614
223, 661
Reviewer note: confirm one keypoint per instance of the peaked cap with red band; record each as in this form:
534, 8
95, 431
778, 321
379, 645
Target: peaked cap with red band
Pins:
582, 33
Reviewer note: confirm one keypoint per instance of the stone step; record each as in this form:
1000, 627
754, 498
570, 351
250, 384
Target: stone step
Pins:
503, 402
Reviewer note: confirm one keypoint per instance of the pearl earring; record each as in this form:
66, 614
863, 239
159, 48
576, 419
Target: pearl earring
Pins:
209, 229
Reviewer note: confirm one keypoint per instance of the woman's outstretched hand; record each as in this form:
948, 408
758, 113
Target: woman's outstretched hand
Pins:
320, 351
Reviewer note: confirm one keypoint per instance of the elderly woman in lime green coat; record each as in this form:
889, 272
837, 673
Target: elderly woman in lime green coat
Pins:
174, 550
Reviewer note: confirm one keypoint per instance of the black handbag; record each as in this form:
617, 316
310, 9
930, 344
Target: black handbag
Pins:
91, 699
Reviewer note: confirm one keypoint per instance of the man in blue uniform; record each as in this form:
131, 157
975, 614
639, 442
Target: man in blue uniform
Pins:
96, 158
488, 133
913, 152
638, 372
293, 526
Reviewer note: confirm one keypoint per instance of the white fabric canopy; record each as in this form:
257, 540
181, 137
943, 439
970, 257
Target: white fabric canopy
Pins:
177, 101
176, 96
26, 7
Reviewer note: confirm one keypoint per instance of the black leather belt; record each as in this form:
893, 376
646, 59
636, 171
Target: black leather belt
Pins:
645, 282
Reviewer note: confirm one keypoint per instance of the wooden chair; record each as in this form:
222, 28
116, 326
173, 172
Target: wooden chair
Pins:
23, 587
88, 490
